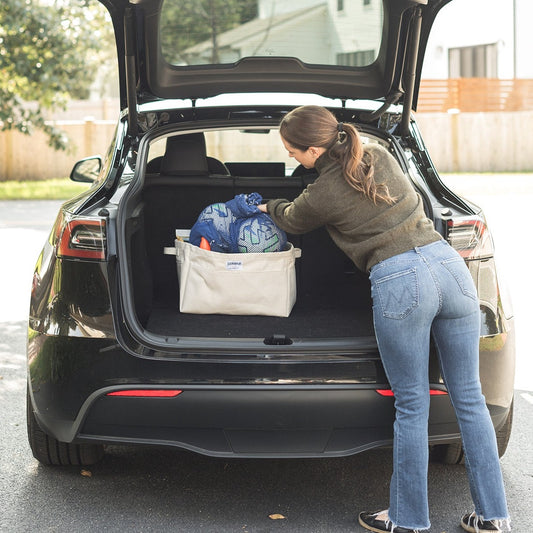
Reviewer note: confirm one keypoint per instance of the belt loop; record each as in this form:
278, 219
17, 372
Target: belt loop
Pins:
417, 250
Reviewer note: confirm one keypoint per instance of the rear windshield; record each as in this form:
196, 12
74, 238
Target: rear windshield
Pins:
330, 32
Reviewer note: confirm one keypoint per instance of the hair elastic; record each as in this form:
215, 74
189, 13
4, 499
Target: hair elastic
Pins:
341, 136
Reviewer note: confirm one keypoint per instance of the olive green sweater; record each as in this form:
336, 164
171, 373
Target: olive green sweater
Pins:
366, 232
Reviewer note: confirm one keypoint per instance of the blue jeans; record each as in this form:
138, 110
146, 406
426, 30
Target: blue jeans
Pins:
428, 291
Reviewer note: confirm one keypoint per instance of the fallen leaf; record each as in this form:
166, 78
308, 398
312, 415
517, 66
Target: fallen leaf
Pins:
276, 516
86, 473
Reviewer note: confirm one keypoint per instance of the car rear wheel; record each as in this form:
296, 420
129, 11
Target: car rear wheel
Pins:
50, 451
452, 454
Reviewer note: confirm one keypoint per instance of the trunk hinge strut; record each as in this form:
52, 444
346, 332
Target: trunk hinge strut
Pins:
131, 76
409, 76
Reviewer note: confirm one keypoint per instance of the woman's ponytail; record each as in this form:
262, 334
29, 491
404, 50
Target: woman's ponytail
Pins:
316, 126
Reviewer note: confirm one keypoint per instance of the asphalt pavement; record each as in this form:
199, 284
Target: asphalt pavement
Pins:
146, 489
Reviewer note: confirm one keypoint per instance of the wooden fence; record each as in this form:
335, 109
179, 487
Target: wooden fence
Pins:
478, 142
489, 133
24, 157
475, 95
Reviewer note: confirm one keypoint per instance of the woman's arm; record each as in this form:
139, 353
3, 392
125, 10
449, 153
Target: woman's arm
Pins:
296, 216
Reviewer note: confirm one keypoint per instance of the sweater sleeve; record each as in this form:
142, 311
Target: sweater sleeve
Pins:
297, 216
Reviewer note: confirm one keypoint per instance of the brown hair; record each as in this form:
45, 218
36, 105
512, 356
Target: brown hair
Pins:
313, 125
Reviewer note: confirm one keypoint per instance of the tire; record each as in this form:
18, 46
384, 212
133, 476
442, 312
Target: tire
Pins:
50, 451
452, 454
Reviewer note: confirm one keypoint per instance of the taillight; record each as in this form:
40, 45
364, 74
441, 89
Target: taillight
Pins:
432, 392
470, 237
146, 393
83, 239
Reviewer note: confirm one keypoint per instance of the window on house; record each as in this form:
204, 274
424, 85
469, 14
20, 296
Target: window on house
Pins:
340, 5
473, 61
356, 59
366, 2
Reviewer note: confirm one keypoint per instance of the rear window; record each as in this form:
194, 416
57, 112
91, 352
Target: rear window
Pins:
240, 146
252, 152
331, 32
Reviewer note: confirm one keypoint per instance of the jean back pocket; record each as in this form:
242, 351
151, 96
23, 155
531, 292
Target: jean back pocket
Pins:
397, 294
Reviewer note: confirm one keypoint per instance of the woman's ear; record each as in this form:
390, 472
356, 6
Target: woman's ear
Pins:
316, 151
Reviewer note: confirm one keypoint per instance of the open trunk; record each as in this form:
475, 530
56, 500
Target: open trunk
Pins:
333, 297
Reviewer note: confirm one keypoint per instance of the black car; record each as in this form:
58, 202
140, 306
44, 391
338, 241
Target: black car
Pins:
111, 359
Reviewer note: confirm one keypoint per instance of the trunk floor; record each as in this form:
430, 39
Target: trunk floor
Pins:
305, 321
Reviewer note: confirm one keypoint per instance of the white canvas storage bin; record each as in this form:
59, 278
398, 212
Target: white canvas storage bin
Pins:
236, 284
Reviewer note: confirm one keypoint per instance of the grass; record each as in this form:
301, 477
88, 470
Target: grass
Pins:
54, 189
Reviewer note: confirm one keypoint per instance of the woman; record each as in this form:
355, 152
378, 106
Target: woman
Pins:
420, 287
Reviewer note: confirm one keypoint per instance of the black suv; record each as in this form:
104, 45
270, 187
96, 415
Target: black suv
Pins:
113, 360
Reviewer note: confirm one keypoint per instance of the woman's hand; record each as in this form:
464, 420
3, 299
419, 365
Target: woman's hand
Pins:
262, 208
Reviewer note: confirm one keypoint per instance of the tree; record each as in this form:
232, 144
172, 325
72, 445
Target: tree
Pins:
48, 54
185, 23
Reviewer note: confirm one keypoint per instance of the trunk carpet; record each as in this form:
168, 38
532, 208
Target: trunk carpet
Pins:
307, 320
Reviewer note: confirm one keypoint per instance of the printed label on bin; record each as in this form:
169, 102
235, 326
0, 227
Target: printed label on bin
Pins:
233, 265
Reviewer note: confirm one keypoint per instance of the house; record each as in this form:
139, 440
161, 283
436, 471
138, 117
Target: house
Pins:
331, 36
471, 38
481, 39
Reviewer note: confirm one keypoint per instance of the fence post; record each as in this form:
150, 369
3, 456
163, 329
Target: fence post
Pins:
454, 129
88, 135
7, 170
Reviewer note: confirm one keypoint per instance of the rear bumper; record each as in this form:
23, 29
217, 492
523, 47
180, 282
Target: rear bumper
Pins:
258, 421
233, 409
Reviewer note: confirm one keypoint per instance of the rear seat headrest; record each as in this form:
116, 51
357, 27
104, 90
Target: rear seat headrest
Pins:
185, 155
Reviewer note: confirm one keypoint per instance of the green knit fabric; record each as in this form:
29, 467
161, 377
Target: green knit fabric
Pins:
366, 232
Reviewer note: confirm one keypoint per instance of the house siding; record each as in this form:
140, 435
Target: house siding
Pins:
291, 41
464, 23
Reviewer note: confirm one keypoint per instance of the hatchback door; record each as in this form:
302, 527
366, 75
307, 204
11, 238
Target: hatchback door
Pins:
351, 49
